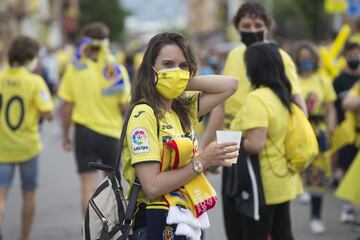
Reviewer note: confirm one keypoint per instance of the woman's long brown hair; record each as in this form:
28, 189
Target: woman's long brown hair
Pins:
144, 86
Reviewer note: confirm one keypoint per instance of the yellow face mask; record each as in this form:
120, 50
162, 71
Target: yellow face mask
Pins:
171, 82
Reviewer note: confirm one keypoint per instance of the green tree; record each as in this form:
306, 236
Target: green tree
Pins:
110, 12
314, 16
304, 19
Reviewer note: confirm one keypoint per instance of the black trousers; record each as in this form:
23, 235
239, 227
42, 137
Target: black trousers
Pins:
274, 222
231, 219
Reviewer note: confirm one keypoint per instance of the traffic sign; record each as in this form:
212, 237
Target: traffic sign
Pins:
353, 8
336, 6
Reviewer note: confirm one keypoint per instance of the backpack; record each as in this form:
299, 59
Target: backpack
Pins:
242, 182
109, 215
301, 146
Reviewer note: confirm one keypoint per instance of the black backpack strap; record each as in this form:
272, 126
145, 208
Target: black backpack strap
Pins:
123, 136
130, 210
115, 178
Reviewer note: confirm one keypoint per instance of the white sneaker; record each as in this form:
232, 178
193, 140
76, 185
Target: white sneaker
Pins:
305, 198
346, 216
317, 226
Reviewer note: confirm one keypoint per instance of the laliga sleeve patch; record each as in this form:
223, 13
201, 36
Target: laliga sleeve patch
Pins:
140, 141
44, 96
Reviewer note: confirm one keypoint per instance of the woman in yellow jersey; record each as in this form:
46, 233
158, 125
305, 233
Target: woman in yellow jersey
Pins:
168, 69
253, 25
319, 96
264, 121
24, 99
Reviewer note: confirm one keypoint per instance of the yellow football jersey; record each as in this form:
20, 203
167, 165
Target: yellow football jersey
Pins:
317, 90
23, 97
263, 109
143, 144
96, 99
235, 66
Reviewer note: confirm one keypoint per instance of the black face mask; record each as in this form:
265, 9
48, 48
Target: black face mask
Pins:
249, 38
353, 64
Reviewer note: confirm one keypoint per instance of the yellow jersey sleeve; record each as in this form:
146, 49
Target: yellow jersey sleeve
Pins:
43, 99
125, 96
196, 108
329, 92
66, 89
291, 73
355, 90
255, 113
142, 135
194, 105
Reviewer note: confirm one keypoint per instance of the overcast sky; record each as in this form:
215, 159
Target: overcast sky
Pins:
156, 10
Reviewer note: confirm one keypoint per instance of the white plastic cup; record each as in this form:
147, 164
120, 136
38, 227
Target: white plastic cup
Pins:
229, 136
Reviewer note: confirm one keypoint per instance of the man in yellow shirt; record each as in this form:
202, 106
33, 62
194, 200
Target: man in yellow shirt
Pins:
24, 99
95, 92
252, 23
348, 189
342, 85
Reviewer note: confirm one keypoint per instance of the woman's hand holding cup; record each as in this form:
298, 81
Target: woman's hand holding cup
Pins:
216, 154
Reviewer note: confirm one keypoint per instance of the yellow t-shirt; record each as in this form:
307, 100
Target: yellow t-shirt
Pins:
355, 92
317, 90
235, 66
263, 109
94, 105
23, 97
143, 144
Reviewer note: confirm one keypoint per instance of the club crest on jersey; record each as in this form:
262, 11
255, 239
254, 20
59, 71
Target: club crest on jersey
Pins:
140, 141
112, 71
168, 233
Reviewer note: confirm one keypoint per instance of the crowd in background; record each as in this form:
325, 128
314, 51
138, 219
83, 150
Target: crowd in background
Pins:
327, 73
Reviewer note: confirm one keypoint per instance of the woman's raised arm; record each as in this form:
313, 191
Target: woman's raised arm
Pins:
215, 88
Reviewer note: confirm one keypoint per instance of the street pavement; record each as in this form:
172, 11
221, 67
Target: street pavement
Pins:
59, 215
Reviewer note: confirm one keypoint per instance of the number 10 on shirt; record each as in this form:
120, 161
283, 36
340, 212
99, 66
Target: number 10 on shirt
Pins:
5, 110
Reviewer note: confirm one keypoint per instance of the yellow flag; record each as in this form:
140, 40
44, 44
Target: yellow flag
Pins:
345, 133
349, 188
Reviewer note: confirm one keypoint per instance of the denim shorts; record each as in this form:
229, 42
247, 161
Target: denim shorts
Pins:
29, 172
